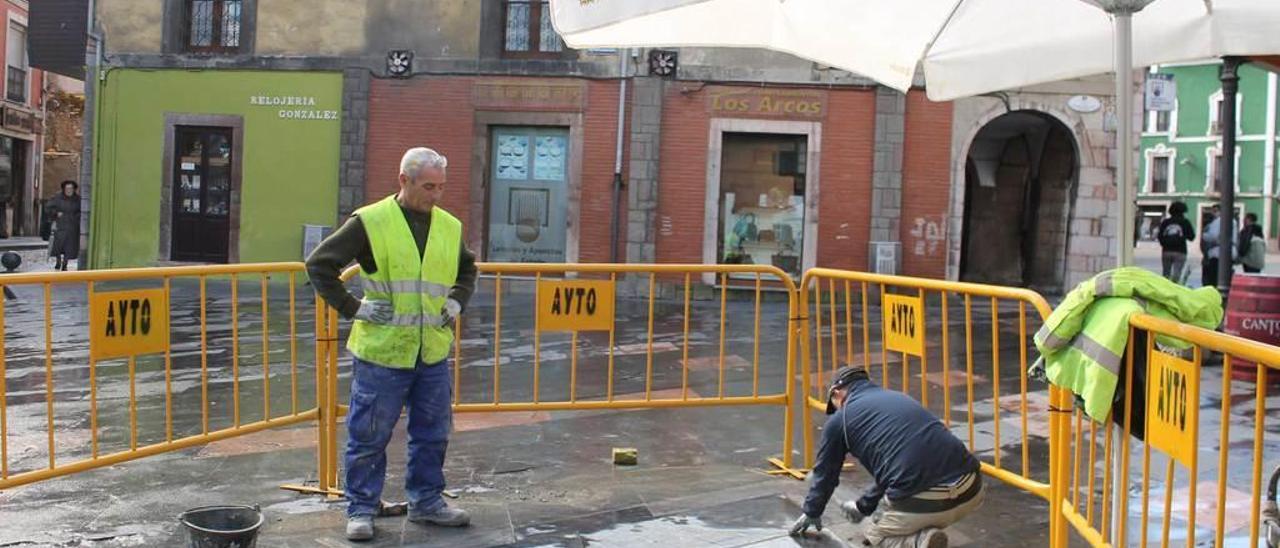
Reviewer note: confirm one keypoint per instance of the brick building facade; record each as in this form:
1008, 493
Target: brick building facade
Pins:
722, 155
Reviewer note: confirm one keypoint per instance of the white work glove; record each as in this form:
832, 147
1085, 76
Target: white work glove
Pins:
375, 311
450, 312
852, 512
803, 524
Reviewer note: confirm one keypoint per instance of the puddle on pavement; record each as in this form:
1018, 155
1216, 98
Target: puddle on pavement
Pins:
669, 531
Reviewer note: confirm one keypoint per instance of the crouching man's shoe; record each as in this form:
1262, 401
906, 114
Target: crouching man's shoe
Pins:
446, 516
360, 528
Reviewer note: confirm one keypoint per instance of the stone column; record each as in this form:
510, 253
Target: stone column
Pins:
642, 184
886, 171
355, 127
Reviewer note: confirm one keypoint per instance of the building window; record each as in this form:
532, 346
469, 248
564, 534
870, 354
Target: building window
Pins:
1162, 120
16, 79
1159, 175
213, 26
528, 31
762, 190
1213, 170
1159, 121
1215, 113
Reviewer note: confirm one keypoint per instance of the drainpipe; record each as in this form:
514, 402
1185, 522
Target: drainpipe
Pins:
617, 157
1269, 156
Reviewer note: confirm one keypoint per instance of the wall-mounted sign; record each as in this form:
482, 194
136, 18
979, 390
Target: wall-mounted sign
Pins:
19, 120
536, 94
294, 107
1084, 104
773, 103
1161, 92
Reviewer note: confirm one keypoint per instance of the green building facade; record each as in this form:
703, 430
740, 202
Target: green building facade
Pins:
212, 166
1180, 149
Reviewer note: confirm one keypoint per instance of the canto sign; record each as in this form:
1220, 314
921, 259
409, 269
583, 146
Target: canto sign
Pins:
296, 107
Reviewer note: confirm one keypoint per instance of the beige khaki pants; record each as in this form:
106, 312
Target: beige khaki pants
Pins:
897, 527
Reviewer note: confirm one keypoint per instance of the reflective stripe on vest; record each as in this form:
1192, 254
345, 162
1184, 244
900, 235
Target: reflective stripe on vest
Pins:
416, 283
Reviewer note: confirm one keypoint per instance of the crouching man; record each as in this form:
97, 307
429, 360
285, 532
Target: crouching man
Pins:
925, 478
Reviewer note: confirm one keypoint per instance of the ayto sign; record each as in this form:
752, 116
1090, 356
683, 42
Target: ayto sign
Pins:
575, 305
1173, 406
128, 323
903, 324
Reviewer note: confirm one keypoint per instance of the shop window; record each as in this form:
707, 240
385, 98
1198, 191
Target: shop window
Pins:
213, 26
203, 179
528, 31
762, 188
16, 58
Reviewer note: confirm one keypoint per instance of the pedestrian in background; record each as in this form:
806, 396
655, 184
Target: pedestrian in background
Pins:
63, 211
1209, 245
1253, 245
1174, 233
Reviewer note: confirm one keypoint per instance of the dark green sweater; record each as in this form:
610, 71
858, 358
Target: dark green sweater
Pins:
350, 243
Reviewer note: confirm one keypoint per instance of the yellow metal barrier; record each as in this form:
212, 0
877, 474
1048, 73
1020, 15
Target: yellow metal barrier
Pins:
131, 340
1173, 427
844, 305
515, 289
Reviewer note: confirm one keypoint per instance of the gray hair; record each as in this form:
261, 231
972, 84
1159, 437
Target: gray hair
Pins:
419, 158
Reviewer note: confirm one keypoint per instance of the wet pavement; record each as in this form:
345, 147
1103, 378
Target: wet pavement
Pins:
528, 478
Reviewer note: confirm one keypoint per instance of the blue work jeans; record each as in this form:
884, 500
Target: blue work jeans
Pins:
378, 395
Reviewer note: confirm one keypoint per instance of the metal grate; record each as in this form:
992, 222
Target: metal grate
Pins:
214, 25
528, 30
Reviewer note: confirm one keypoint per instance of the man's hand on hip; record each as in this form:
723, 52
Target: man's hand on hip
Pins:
450, 312
375, 311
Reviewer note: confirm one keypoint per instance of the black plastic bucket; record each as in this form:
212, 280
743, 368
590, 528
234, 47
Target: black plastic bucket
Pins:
222, 526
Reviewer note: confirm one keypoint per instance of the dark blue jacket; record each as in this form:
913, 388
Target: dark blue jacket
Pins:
905, 448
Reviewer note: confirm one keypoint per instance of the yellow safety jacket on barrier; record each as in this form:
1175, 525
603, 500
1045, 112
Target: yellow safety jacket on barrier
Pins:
1082, 343
415, 284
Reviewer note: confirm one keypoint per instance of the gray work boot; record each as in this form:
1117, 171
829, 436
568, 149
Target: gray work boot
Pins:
932, 538
446, 516
360, 528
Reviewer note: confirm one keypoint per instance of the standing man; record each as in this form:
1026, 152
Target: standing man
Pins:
1174, 233
417, 276
925, 478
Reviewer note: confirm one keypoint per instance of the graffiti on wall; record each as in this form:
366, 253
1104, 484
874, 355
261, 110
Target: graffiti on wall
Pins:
928, 235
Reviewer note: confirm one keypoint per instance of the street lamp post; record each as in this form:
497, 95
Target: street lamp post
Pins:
1122, 14
1230, 78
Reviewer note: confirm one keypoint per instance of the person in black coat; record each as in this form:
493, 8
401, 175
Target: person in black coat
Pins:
63, 211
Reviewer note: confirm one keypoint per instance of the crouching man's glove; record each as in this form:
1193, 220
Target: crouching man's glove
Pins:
853, 512
804, 523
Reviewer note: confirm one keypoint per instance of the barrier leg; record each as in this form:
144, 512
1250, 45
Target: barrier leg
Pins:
785, 465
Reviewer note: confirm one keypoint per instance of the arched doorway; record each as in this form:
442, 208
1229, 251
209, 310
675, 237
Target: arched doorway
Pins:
1020, 184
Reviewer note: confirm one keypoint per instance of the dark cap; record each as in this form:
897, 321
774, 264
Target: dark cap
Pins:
844, 377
